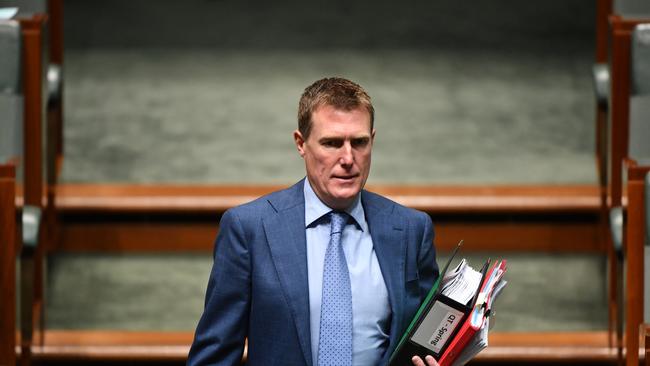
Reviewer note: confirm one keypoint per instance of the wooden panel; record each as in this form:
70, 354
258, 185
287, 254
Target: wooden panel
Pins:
645, 333
603, 10
634, 252
620, 96
620, 38
464, 199
197, 232
55, 13
586, 347
116, 338
7, 171
552, 235
182, 217
55, 108
33, 189
32, 33
7, 265
107, 346
594, 339
620, 34
133, 236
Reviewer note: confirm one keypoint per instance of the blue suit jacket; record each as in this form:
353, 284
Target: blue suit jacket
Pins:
258, 285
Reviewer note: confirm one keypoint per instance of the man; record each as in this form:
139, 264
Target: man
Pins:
322, 273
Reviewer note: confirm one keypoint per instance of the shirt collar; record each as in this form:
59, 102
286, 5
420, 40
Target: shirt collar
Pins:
315, 208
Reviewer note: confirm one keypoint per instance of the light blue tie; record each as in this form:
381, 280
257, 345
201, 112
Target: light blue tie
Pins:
335, 340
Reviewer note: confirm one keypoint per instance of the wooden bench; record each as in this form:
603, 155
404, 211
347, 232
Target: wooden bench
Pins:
132, 218
613, 78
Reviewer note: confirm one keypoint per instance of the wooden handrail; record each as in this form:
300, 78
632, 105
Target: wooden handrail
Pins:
439, 199
34, 188
621, 37
116, 346
32, 35
127, 218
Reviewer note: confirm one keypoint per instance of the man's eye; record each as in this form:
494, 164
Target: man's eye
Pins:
331, 143
360, 142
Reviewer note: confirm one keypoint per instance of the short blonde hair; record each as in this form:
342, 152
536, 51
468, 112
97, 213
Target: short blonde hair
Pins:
337, 92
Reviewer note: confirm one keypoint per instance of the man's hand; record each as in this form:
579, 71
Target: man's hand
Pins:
417, 361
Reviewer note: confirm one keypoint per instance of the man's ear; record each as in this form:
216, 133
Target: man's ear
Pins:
372, 135
300, 142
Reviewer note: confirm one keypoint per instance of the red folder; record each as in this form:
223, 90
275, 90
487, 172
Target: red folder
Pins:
475, 320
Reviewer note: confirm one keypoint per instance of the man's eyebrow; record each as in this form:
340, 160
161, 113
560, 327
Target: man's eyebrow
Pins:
362, 136
330, 139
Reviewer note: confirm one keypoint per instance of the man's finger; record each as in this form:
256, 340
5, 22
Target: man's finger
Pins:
417, 361
431, 361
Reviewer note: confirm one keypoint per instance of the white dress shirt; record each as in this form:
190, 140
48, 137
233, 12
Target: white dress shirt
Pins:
370, 305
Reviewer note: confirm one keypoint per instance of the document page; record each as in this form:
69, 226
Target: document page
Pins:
462, 283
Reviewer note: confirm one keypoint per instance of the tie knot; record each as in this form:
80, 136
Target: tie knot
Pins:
338, 221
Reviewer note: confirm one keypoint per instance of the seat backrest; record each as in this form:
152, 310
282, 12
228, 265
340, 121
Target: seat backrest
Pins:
639, 133
11, 100
27, 7
641, 60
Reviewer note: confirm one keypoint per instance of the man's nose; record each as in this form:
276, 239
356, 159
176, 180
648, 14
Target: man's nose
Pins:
346, 157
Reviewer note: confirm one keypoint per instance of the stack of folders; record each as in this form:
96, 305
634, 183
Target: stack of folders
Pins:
452, 323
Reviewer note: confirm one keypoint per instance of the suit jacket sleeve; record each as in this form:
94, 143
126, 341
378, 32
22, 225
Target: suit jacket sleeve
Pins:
221, 332
427, 267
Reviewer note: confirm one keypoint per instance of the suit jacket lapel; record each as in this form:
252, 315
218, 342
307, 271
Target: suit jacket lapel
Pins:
388, 238
285, 232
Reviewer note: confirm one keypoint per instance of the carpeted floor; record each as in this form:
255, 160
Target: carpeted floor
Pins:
227, 117
165, 292
491, 94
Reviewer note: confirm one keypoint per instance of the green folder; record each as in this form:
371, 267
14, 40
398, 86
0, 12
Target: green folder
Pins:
423, 307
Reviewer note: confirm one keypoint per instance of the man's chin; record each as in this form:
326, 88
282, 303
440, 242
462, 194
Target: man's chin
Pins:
344, 196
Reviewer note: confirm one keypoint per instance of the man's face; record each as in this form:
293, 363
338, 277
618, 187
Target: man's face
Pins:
337, 154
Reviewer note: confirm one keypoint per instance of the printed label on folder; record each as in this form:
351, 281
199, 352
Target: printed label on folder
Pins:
443, 319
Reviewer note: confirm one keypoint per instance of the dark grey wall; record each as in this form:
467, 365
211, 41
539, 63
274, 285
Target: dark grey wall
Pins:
502, 24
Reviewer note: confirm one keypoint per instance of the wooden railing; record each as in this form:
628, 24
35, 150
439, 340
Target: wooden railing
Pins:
128, 347
127, 218
621, 38
613, 45
634, 252
8, 228
36, 191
